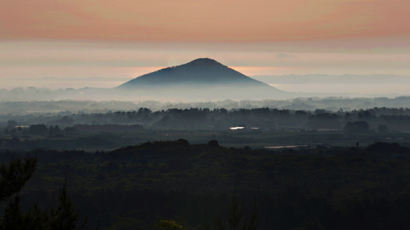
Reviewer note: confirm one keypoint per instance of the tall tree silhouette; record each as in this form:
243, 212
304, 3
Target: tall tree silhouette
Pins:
13, 177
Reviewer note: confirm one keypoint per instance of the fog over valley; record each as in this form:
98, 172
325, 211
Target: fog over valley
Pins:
205, 115
321, 67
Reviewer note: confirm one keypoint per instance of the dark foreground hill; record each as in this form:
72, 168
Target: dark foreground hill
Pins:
200, 78
336, 188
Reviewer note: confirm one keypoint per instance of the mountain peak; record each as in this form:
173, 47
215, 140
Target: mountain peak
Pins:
199, 78
203, 61
201, 71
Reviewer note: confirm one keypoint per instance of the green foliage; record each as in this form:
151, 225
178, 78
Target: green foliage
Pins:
12, 179
237, 220
14, 176
169, 225
335, 188
64, 216
311, 225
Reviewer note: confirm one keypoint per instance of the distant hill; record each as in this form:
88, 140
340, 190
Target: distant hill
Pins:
200, 78
199, 71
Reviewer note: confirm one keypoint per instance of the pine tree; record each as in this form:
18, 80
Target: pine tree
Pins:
12, 179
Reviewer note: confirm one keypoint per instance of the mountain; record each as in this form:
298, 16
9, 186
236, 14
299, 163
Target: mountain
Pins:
201, 78
200, 71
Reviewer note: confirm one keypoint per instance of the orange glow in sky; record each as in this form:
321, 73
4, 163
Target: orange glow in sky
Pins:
103, 43
203, 21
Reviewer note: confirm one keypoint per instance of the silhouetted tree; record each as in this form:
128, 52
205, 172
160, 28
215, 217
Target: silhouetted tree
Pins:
12, 179
14, 176
237, 219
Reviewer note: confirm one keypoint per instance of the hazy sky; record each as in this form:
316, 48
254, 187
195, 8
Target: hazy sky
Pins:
210, 20
101, 43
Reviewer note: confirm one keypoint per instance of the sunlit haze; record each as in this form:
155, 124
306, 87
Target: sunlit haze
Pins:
60, 44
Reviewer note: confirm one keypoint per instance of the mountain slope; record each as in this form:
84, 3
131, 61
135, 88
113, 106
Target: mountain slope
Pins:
200, 78
200, 71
